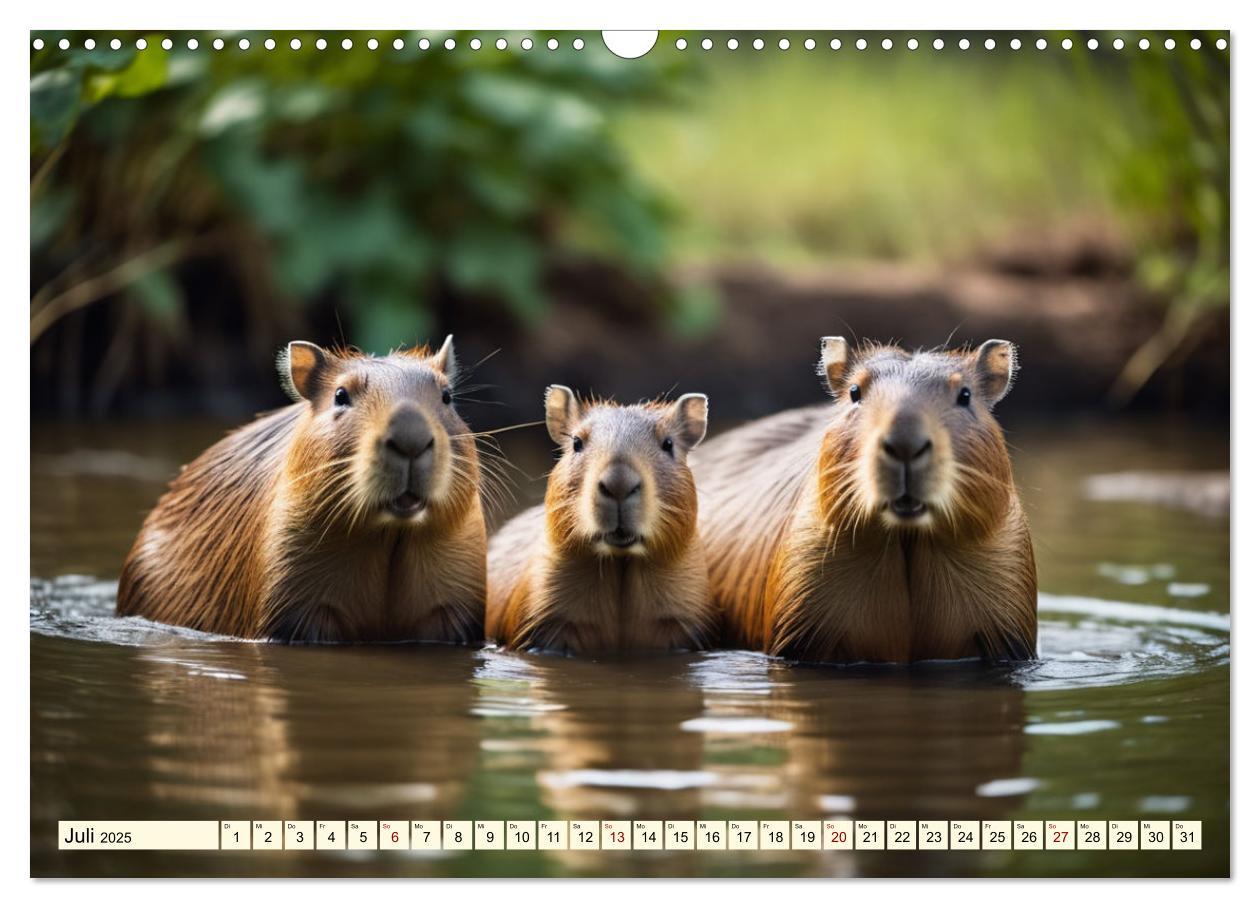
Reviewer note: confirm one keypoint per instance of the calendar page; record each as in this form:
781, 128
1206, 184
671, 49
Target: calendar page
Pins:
687, 454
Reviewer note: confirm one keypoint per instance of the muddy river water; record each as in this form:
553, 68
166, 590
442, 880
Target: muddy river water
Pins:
1124, 716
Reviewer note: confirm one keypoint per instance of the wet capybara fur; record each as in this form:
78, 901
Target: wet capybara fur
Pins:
354, 514
611, 562
882, 527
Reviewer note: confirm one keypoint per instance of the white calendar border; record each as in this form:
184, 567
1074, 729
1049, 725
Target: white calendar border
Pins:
779, 15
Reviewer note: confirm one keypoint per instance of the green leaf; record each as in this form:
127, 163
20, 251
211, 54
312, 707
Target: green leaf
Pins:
54, 105
146, 73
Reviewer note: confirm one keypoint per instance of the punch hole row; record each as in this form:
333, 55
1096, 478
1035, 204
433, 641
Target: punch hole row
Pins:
732, 44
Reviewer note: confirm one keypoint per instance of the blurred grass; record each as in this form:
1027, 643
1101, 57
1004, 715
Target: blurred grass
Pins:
828, 155
387, 184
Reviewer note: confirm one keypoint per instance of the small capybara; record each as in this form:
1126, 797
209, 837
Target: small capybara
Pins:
884, 527
354, 514
611, 562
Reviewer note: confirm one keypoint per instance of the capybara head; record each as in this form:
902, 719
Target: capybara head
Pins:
622, 486
380, 441
915, 445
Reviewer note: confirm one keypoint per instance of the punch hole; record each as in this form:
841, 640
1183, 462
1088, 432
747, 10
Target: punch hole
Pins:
861, 44
758, 44
913, 44
886, 44
835, 43
501, 44
192, 44
243, 44
1092, 44
295, 44
475, 44
346, 44
449, 43
320, 44
167, 43
732, 44
810, 43
1221, 44
527, 44
38, 44
1144, 44
1041, 44
1170, 44
373, 44
989, 44
681, 44
938, 44
1016, 44
64, 43
115, 44
1195, 43
270, 44
90, 43
578, 44
630, 45
963, 44
784, 44
399, 44
707, 44
1118, 44
1066, 43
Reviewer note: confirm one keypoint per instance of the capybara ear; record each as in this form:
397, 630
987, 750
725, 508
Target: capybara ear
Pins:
563, 413
444, 360
834, 364
689, 418
299, 365
996, 364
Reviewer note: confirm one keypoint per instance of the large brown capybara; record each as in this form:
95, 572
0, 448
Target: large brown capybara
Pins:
883, 527
611, 562
354, 514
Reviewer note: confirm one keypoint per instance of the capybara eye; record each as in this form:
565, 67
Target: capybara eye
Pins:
577, 445
668, 446
855, 393
446, 396
964, 397
341, 397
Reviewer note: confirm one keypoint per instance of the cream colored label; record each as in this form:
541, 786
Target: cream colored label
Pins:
138, 835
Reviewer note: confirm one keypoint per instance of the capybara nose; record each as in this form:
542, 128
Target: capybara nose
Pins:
620, 482
408, 435
906, 447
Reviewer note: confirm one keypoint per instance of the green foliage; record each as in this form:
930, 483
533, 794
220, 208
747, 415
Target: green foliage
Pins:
381, 177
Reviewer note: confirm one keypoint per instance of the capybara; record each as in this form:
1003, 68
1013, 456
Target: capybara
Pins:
353, 514
611, 562
883, 527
